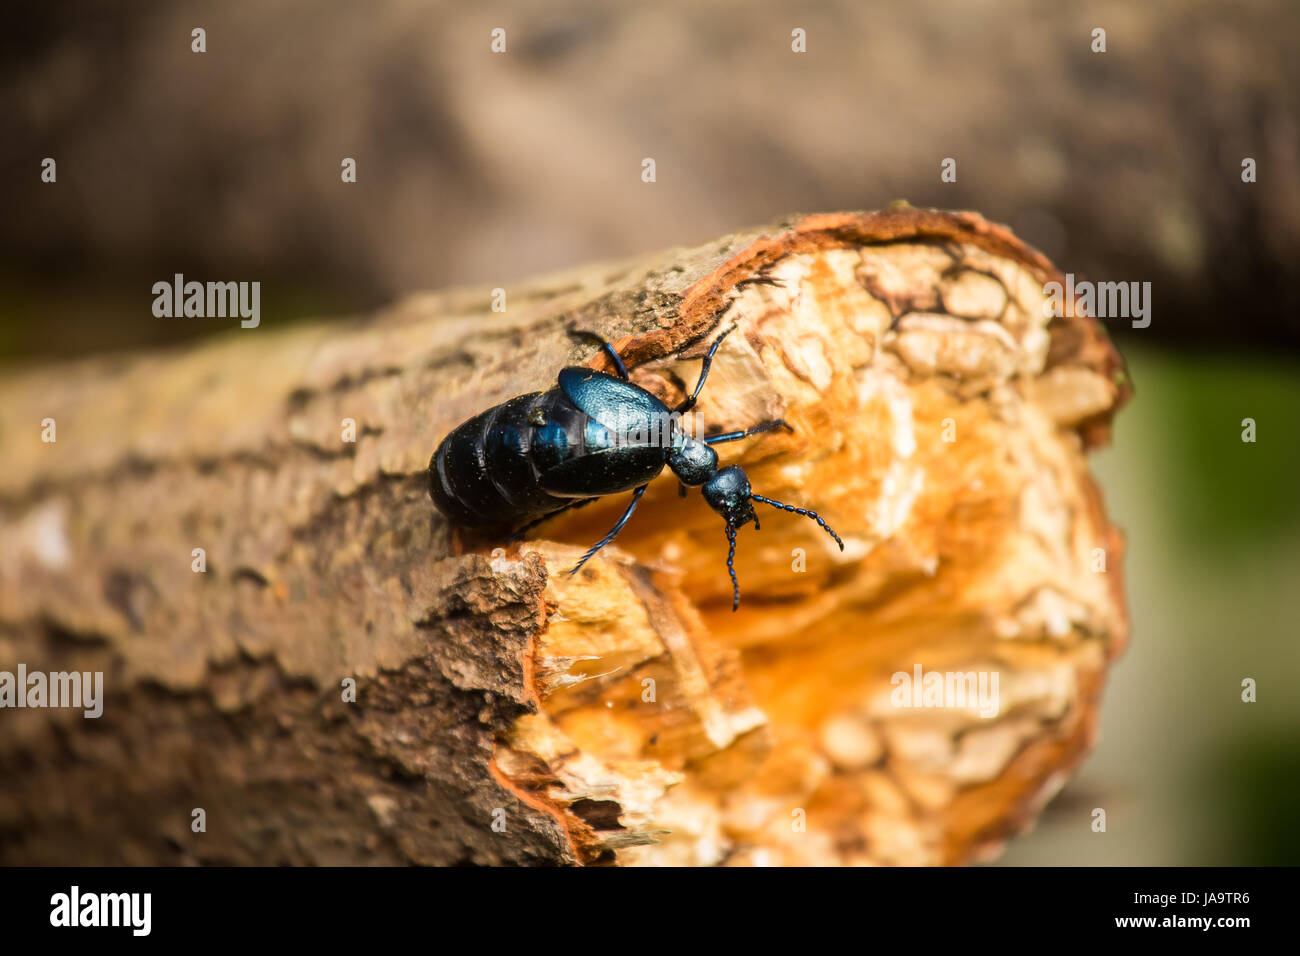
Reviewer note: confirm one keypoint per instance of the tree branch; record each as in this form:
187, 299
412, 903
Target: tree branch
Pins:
940, 424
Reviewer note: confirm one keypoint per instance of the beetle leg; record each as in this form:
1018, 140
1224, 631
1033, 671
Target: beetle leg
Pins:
609, 349
731, 567
687, 405
737, 436
520, 532
613, 532
681, 490
800, 511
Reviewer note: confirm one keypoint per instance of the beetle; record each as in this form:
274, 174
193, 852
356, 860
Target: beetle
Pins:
593, 434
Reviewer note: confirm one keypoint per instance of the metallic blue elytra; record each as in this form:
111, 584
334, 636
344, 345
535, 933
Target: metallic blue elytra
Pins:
531, 458
609, 400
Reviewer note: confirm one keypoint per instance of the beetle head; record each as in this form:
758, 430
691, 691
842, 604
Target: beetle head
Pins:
727, 493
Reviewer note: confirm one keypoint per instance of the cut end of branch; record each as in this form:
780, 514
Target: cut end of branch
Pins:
914, 699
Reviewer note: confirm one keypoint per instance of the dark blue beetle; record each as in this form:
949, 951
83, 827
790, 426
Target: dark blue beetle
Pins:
535, 456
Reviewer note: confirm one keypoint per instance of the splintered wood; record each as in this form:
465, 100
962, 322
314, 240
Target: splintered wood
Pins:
931, 430
239, 537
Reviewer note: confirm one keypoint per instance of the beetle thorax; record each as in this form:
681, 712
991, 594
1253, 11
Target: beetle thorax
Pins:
693, 462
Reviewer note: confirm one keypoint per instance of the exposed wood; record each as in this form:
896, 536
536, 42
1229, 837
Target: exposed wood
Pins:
486, 680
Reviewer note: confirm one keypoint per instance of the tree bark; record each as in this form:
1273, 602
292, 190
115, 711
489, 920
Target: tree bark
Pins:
508, 714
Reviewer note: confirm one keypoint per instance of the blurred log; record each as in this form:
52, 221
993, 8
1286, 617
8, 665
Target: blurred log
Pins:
624, 715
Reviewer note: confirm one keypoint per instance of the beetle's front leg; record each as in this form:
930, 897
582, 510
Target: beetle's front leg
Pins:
757, 429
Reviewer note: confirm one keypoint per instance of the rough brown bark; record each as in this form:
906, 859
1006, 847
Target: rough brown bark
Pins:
488, 683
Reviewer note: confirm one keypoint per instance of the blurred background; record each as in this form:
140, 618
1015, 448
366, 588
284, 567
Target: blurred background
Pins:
479, 168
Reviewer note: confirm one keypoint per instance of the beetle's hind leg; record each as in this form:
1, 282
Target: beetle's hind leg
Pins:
613, 532
608, 349
520, 532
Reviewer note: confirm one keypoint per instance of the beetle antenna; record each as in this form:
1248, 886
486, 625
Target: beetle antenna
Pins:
800, 511
731, 566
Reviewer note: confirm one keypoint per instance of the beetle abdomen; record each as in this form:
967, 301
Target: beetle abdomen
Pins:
486, 472
481, 475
